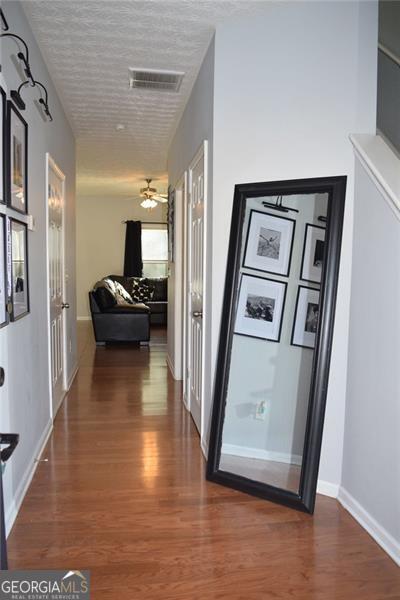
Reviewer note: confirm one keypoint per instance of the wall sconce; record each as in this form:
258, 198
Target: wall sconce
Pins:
4, 24
16, 96
24, 58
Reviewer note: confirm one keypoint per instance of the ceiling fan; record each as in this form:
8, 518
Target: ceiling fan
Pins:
151, 196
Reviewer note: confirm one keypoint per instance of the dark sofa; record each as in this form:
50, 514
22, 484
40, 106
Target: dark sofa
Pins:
118, 315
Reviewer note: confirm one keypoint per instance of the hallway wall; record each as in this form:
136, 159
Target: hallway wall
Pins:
195, 126
371, 459
100, 239
25, 398
303, 88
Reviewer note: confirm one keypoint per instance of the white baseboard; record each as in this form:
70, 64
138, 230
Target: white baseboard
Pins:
171, 366
185, 401
12, 511
326, 488
72, 377
247, 452
204, 448
83, 318
367, 521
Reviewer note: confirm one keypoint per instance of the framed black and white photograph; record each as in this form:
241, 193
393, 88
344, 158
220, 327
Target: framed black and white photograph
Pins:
3, 272
17, 160
306, 317
3, 121
19, 270
269, 243
313, 253
260, 308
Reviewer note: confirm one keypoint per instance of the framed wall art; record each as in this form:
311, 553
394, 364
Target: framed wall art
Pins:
3, 125
17, 160
171, 225
19, 270
3, 272
313, 253
306, 317
260, 308
269, 243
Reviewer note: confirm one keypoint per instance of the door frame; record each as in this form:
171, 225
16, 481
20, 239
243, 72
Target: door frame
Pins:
201, 152
50, 162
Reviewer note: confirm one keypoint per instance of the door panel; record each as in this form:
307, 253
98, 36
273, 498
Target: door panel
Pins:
55, 199
196, 287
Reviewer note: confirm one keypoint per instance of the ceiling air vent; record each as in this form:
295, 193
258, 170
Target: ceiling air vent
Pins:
150, 79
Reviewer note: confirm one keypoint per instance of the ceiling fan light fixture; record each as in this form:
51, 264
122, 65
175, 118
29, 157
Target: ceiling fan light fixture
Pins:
148, 203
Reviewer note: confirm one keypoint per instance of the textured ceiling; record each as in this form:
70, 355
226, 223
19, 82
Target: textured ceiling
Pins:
89, 45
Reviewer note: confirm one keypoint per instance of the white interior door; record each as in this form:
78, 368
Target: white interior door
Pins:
195, 304
55, 202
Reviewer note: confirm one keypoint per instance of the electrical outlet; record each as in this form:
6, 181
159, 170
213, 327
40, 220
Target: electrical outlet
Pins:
261, 411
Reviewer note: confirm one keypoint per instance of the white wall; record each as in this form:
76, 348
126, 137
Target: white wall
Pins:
290, 85
371, 458
25, 399
100, 239
195, 126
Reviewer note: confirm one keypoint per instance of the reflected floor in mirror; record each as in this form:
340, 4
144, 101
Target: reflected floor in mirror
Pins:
277, 474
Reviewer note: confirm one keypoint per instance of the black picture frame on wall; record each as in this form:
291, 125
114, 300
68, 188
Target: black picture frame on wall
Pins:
260, 309
313, 253
20, 306
3, 121
303, 498
17, 160
4, 318
306, 316
171, 225
269, 243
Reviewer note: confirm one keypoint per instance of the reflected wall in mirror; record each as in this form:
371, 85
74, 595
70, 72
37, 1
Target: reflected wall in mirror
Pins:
275, 338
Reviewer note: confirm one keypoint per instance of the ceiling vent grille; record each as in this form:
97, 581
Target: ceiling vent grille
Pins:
149, 79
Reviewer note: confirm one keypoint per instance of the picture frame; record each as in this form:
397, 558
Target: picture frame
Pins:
260, 308
306, 316
17, 160
269, 243
19, 270
171, 225
3, 121
3, 272
313, 253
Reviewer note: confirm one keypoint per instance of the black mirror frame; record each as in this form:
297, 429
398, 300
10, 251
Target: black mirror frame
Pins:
336, 189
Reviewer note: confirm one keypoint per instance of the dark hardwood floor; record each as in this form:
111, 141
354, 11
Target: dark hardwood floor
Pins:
124, 495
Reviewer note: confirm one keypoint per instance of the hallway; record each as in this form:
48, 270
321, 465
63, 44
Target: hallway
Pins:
123, 494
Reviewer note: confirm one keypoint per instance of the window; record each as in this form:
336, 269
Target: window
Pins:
155, 251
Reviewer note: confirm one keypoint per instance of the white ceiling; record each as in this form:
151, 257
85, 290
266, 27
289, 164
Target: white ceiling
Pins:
89, 45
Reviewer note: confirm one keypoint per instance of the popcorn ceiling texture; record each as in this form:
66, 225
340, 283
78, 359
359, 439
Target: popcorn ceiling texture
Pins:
88, 47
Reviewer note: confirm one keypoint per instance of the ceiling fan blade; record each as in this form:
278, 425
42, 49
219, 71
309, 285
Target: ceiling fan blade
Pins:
160, 198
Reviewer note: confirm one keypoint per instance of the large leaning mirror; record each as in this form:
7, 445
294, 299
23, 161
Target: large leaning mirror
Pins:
275, 339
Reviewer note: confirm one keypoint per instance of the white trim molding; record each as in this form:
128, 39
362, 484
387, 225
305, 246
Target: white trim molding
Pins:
13, 509
260, 454
83, 318
382, 166
171, 367
367, 521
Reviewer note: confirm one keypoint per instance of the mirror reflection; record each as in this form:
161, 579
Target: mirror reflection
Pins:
273, 340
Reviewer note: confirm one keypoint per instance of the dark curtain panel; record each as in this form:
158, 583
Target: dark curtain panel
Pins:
133, 264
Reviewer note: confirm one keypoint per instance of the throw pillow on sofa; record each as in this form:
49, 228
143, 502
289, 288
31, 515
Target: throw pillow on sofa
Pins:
120, 294
141, 291
159, 285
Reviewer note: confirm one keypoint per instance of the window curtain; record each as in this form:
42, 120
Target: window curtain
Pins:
133, 263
